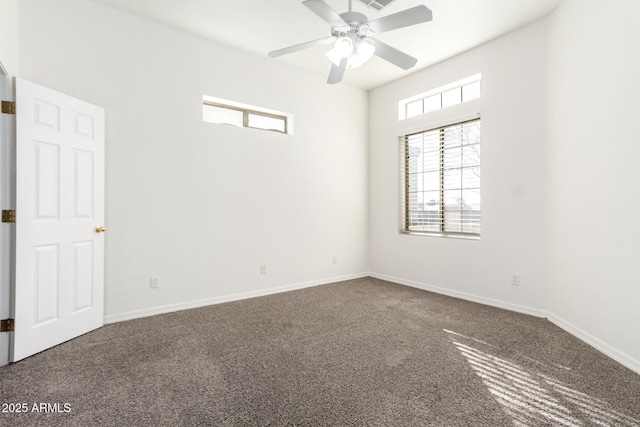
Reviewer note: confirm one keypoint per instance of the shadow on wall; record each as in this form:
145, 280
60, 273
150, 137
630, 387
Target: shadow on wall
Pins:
532, 398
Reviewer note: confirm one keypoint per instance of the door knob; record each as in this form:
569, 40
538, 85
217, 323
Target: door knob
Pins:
100, 229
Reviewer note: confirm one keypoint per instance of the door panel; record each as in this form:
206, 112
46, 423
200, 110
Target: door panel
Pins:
83, 276
47, 185
83, 185
47, 282
59, 202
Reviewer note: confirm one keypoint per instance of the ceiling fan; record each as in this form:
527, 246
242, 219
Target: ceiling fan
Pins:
351, 34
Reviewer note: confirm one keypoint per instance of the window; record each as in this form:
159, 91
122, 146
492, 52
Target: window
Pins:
221, 114
441, 97
216, 110
377, 4
440, 177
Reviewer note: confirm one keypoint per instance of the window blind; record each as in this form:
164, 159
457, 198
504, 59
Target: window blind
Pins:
440, 172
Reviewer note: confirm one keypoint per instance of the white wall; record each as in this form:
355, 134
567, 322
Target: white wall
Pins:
203, 205
514, 170
9, 39
594, 147
559, 158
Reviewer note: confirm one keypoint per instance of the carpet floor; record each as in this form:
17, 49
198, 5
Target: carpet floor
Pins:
363, 352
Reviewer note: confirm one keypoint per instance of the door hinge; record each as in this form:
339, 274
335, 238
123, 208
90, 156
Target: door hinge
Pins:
7, 325
9, 216
8, 107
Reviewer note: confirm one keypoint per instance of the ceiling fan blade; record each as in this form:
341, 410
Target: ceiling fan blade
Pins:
413, 16
393, 55
335, 76
325, 12
301, 46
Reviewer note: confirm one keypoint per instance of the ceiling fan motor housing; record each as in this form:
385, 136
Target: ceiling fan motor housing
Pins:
357, 23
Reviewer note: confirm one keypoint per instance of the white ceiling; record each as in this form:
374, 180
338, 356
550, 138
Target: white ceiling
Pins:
260, 26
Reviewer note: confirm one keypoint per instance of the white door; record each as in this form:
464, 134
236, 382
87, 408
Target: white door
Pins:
59, 291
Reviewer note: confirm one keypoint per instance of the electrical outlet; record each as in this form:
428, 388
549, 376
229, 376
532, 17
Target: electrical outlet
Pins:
335, 259
263, 269
515, 279
154, 282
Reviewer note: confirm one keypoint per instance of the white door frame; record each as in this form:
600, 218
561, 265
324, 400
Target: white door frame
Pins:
7, 201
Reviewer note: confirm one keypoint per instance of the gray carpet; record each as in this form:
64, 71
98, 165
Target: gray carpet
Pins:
358, 353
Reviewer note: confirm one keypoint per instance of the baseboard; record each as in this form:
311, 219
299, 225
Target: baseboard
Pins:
463, 295
152, 311
594, 342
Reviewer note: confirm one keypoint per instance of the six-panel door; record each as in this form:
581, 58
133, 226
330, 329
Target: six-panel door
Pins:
59, 203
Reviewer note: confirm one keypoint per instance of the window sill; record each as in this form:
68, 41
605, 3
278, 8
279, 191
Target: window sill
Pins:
446, 235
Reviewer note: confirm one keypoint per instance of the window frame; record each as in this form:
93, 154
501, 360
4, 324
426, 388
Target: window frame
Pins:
246, 112
404, 104
405, 194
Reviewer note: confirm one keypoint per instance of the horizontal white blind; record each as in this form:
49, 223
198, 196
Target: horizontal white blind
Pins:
440, 171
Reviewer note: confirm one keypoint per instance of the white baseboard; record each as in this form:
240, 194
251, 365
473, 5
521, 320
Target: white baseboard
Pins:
598, 344
594, 342
463, 295
152, 311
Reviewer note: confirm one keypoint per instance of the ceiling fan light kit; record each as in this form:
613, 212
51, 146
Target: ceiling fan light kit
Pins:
334, 57
350, 33
364, 52
344, 46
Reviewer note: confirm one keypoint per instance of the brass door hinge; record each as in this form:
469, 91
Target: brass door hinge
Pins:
8, 107
7, 325
9, 216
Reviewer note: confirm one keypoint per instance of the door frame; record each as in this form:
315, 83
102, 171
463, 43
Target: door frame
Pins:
7, 201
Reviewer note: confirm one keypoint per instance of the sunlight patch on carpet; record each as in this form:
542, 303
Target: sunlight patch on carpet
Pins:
531, 398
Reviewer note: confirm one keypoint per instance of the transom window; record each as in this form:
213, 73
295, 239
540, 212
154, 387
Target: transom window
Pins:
440, 177
216, 110
441, 97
